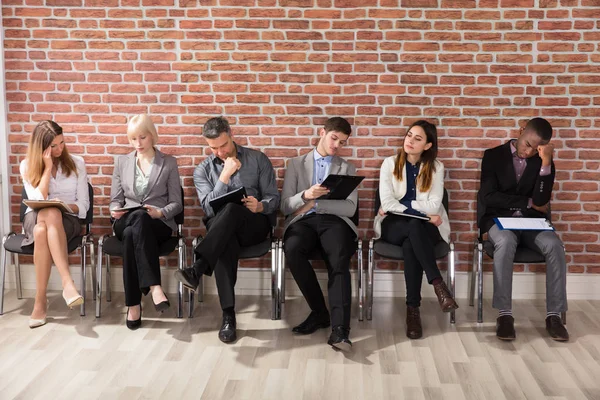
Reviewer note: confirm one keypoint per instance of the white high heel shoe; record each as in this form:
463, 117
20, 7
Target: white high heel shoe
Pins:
73, 301
36, 323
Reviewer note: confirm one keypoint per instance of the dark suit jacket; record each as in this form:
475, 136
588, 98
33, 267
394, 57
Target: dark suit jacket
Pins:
164, 186
500, 195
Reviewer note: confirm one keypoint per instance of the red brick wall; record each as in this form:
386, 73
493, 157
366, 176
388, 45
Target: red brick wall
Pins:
278, 68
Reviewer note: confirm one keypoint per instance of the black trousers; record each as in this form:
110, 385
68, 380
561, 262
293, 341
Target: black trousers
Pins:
418, 239
337, 243
141, 236
232, 228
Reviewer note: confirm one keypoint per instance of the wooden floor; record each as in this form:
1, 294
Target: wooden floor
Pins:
80, 358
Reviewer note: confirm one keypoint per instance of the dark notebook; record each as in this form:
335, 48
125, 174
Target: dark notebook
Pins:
340, 186
235, 197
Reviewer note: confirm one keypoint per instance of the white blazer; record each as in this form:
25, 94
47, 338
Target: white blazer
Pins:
391, 190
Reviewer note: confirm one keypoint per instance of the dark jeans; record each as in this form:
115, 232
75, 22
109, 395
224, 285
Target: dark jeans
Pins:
232, 228
418, 239
337, 243
141, 236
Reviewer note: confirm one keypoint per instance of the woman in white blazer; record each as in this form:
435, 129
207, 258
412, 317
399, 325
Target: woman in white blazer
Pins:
146, 181
411, 183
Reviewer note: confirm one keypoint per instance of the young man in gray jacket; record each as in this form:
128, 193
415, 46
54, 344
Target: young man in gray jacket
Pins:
312, 224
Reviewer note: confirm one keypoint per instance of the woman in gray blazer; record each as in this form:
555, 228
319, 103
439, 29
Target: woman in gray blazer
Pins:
145, 197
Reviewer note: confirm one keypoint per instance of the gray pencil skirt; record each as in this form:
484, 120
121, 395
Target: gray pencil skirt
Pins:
70, 223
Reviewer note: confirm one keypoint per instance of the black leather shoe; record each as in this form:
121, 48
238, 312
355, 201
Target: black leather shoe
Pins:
414, 329
162, 306
135, 324
556, 329
314, 322
227, 332
505, 327
188, 277
339, 338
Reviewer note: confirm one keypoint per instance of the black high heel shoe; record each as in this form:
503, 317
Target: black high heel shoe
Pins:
135, 324
163, 305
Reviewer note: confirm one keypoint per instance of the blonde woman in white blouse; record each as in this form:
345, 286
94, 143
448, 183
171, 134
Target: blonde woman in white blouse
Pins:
50, 172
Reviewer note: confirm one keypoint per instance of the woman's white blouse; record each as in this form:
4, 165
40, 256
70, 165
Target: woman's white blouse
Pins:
72, 189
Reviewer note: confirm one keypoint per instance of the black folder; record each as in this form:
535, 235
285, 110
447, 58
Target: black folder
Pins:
235, 196
340, 186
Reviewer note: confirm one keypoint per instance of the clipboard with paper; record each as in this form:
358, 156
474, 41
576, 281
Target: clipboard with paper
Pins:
525, 224
39, 204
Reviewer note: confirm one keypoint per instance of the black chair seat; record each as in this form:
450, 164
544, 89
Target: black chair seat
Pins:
13, 244
257, 250
394, 252
114, 247
523, 254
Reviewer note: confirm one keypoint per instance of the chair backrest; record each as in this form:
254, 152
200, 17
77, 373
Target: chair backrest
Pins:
378, 201
89, 216
180, 216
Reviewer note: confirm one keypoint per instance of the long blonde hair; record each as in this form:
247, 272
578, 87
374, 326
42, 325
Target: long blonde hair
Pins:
42, 137
425, 178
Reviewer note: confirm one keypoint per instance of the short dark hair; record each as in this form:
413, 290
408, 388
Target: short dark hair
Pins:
214, 127
540, 127
338, 124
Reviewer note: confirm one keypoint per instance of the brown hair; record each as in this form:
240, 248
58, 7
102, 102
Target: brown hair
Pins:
42, 137
425, 178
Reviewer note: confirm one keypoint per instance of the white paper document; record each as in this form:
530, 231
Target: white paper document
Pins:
532, 224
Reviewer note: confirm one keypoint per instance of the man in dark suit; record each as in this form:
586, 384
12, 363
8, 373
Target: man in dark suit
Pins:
516, 181
313, 224
229, 167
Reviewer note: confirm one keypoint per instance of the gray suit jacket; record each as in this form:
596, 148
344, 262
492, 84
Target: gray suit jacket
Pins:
298, 178
164, 186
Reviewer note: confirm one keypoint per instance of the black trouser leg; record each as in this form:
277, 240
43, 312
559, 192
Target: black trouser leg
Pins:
232, 228
141, 236
300, 240
339, 244
413, 275
421, 237
226, 274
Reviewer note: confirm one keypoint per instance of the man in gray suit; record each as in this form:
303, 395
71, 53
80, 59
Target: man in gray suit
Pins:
312, 224
230, 167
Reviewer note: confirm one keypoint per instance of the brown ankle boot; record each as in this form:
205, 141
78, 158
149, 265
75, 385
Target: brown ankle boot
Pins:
445, 299
414, 330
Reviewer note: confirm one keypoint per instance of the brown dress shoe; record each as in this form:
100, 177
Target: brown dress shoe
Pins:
445, 299
556, 329
414, 330
505, 327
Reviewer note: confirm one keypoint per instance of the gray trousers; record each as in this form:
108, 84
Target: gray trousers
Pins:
547, 242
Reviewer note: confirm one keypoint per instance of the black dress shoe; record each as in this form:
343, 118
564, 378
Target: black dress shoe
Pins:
314, 322
227, 332
162, 306
505, 327
135, 324
188, 277
339, 338
556, 329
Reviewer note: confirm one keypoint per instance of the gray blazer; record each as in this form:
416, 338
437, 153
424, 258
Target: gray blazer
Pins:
164, 186
298, 178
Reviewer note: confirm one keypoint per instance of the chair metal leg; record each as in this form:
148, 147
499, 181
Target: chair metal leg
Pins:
83, 273
473, 275
361, 289
3, 270
275, 302
93, 270
108, 280
99, 277
281, 277
370, 281
18, 275
181, 249
480, 282
451, 280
